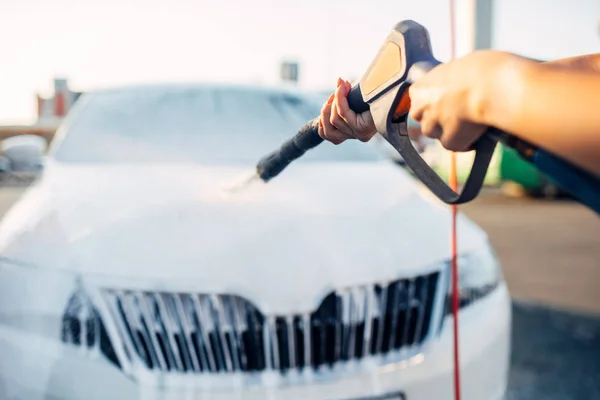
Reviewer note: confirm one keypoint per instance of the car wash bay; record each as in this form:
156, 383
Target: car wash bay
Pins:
550, 252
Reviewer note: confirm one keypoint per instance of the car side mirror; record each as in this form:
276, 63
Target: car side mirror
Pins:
25, 153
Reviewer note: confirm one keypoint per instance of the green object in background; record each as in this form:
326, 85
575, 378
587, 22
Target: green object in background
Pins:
506, 166
440, 159
514, 168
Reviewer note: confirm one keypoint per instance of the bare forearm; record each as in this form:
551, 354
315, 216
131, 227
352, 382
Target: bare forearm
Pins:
551, 105
585, 62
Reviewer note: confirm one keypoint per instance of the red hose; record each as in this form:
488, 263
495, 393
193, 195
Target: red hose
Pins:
454, 247
455, 303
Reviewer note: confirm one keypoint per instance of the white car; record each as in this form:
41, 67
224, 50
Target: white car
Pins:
131, 270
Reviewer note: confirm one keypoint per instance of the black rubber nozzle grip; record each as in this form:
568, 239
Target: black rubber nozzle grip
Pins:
307, 138
273, 163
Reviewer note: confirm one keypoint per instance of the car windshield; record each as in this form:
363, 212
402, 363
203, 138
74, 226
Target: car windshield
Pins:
206, 125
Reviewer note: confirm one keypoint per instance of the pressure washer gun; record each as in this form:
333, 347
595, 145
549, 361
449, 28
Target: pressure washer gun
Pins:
405, 56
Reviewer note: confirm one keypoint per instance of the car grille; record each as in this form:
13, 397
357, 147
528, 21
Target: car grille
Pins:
202, 333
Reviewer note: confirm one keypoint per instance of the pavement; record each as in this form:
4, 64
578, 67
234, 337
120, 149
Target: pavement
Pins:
555, 355
550, 251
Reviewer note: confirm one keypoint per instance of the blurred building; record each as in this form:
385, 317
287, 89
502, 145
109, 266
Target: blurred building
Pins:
50, 113
52, 110
290, 71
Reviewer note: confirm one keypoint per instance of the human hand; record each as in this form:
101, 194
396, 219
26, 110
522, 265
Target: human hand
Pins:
454, 102
338, 122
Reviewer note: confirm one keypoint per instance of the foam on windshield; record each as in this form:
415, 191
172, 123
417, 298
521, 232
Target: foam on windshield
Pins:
195, 123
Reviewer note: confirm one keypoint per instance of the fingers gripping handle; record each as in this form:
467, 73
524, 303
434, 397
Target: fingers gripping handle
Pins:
408, 40
484, 150
307, 138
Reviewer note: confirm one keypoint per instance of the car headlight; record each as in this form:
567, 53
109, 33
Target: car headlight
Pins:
81, 326
52, 310
479, 273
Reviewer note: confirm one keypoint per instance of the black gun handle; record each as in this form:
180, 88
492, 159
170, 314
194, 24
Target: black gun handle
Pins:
397, 136
484, 150
307, 138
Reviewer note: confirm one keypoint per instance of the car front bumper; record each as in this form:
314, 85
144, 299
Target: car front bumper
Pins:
31, 368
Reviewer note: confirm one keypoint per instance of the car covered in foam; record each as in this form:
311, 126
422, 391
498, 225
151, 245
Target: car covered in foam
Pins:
130, 270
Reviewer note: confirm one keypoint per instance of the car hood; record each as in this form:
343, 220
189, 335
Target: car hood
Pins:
314, 228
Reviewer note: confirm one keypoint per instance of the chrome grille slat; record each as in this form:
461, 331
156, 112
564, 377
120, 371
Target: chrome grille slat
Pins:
361, 315
115, 305
271, 327
307, 342
152, 331
129, 302
346, 322
291, 341
210, 321
228, 307
188, 332
160, 330
189, 306
354, 312
221, 327
369, 301
267, 346
202, 333
170, 328
240, 327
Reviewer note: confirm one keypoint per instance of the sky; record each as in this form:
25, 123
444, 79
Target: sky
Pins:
100, 43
